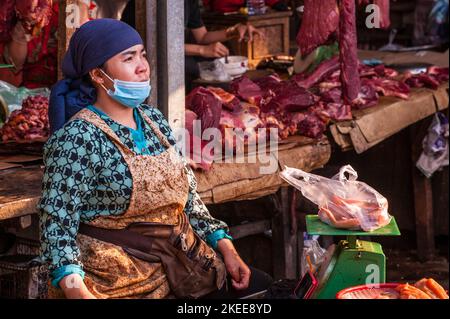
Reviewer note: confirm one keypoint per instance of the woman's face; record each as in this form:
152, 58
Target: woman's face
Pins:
129, 65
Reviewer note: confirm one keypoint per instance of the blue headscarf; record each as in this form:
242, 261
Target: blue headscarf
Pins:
91, 46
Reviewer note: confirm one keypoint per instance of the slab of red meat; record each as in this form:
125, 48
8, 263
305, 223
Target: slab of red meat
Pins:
288, 96
319, 24
268, 84
422, 80
389, 87
367, 96
380, 70
246, 120
348, 51
206, 105
7, 19
312, 126
199, 157
333, 95
441, 74
324, 69
247, 90
30, 123
34, 14
338, 111
229, 101
431, 79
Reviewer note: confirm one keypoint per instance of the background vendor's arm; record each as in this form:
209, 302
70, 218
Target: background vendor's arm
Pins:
16, 50
65, 187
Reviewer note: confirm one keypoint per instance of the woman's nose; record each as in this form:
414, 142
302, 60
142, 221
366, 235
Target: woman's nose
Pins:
143, 66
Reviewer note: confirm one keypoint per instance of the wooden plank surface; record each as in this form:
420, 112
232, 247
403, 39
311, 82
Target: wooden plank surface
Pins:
20, 189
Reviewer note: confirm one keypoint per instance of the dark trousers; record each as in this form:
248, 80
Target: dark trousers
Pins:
259, 281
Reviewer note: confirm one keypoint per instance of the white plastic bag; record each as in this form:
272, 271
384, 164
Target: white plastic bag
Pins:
435, 146
343, 202
314, 253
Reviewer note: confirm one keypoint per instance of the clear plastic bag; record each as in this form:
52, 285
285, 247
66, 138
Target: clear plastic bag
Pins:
14, 96
343, 201
213, 71
313, 255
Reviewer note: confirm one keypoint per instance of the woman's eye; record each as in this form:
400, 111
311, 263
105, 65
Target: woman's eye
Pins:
128, 59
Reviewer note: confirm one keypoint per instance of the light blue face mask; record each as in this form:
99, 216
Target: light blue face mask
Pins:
130, 94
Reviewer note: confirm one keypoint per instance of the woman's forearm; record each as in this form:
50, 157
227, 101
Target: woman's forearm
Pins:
75, 288
17, 52
215, 36
220, 35
193, 49
226, 247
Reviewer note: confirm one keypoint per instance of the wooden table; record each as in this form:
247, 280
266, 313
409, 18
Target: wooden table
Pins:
274, 24
20, 190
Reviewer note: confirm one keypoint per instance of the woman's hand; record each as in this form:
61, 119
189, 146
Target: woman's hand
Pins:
236, 267
247, 32
214, 50
74, 287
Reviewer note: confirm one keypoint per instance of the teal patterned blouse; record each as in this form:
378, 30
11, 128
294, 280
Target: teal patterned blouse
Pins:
86, 177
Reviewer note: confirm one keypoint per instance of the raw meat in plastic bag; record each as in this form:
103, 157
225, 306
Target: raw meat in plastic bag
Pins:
343, 201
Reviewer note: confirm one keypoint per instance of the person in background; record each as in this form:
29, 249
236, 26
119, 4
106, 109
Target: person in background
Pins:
234, 5
34, 57
208, 44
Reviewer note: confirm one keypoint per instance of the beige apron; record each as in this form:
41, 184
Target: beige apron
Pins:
159, 194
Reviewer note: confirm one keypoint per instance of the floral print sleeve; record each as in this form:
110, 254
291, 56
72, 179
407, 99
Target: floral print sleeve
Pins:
70, 169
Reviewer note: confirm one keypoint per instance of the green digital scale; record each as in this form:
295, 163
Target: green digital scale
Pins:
351, 262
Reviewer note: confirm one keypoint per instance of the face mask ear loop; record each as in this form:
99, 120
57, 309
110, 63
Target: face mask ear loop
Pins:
108, 78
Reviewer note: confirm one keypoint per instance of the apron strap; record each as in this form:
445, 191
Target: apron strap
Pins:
156, 129
93, 118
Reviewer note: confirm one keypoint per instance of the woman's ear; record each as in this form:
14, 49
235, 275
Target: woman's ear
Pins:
96, 76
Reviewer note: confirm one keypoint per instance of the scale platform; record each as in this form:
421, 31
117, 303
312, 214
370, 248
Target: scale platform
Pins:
314, 226
352, 262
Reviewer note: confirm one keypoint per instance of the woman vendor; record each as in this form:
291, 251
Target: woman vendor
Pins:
120, 216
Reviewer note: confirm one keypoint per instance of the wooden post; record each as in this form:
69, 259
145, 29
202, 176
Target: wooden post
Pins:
423, 196
151, 39
284, 243
171, 91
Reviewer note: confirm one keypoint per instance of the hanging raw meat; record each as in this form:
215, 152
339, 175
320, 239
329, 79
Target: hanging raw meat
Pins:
348, 51
34, 14
319, 24
7, 19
